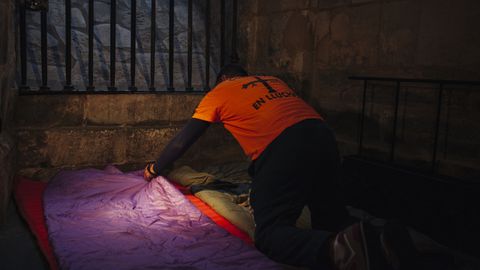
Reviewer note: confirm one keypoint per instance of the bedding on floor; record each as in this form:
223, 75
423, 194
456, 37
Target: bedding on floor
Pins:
106, 219
226, 188
226, 192
28, 197
121, 191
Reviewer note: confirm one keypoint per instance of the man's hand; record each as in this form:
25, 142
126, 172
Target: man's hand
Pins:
149, 172
175, 148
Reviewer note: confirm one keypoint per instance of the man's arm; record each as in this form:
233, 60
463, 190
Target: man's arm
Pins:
176, 147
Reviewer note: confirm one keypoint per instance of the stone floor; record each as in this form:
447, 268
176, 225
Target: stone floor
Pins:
18, 248
433, 256
19, 251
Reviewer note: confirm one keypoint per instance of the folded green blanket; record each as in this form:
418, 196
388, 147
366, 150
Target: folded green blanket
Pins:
187, 176
223, 196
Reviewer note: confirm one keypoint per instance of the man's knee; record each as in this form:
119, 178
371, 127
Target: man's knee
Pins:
270, 241
260, 240
264, 239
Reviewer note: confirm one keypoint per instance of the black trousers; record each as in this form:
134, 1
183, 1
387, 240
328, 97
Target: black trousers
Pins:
300, 167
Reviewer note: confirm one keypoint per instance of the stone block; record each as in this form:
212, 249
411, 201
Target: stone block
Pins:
321, 26
296, 4
398, 34
247, 8
40, 173
139, 109
46, 111
146, 144
344, 123
71, 147
332, 90
354, 37
31, 148
347, 146
216, 146
183, 106
322, 53
328, 4
7, 152
267, 36
459, 169
285, 43
363, 1
4, 31
272, 6
448, 35
340, 27
297, 33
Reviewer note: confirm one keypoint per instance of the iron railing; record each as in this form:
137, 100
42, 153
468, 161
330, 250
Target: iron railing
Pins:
227, 26
438, 85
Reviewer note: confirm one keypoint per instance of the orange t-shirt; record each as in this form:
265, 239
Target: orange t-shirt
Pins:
255, 109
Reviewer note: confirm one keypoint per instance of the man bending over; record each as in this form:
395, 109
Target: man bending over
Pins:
295, 162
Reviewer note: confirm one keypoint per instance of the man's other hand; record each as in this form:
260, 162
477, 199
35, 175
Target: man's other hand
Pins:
149, 172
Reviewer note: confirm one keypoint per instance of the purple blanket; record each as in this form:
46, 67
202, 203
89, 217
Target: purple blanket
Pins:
112, 220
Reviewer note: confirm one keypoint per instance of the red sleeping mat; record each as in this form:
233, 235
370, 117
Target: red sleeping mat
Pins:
29, 194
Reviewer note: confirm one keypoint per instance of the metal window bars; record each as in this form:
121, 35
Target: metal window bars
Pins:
438, 85
112, 87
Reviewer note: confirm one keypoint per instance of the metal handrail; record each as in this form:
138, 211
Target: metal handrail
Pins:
398, 82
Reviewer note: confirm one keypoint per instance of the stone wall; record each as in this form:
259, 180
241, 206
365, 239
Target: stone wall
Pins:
7, 98
74, 131
315, 45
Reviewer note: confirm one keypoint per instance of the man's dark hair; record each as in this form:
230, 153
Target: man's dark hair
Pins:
230, 71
